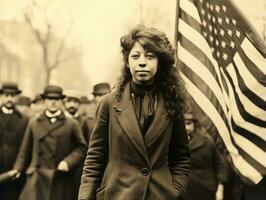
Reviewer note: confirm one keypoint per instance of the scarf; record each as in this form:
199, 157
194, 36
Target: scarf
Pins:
52, 116
144, 100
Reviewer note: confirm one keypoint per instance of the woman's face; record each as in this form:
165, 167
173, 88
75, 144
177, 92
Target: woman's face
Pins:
143, 64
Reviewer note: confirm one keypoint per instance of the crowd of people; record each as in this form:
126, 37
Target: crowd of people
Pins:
138, 141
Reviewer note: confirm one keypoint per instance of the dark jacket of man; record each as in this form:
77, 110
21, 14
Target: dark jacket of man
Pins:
207, 167
48, 144
121, 164
12, 128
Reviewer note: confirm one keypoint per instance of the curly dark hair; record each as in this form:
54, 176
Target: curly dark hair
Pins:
167, 77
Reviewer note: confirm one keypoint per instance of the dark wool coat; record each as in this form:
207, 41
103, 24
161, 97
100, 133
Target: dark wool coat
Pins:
121, 164
208, 167
12, 128
44, 146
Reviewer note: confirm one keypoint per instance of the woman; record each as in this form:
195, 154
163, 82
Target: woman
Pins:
139, 147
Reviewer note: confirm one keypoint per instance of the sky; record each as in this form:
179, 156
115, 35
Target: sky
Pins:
98, 25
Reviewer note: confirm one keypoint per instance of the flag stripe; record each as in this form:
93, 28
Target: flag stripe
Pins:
191, 29
257, 109
249, 135
234, 80
190, 8
252, 52
202, 86
255, 72
260, 168
243, 166
253, 150
249, 91
225, 79
260, 132
200, 69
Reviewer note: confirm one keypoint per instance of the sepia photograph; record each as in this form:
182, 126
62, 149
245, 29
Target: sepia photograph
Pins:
132, 100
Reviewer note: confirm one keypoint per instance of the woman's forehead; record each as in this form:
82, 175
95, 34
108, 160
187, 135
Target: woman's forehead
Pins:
139, 47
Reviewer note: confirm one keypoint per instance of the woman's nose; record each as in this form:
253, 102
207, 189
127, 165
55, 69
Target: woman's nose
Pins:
142, 61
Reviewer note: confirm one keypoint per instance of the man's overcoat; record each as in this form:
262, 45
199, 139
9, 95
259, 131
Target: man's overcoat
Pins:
12, 128
46, 144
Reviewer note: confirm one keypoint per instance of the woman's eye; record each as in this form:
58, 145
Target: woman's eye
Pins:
135, 56
150, 55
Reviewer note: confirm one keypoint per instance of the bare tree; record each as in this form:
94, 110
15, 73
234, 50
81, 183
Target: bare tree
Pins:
51, 58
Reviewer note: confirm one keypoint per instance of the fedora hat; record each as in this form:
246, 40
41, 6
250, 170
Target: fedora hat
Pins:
101, 89
53, 92
10, 88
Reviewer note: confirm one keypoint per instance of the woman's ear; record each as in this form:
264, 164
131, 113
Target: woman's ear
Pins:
127, 65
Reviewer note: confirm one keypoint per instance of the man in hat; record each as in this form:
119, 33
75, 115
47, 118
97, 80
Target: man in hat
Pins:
37, 105
208, 168
23, 104
54, 147
72, 102
99, 90
12, 127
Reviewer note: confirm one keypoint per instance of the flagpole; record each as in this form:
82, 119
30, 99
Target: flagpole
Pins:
176, 26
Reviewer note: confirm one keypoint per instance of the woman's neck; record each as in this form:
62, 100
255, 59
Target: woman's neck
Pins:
143, 83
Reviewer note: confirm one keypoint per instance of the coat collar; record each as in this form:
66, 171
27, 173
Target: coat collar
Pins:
7, 118
197, 140
128, 120
47, 127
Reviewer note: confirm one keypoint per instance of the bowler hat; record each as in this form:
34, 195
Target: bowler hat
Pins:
101, 89
10, 88
52, 92
23, 100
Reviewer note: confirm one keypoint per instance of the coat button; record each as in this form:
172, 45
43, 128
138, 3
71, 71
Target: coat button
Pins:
144, 171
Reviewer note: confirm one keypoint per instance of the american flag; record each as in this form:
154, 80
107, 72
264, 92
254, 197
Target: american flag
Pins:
223, 63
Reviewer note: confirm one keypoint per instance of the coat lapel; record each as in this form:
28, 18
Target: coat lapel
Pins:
159, 123
46, 127
58, 123
43, 125
128, 120
196, 141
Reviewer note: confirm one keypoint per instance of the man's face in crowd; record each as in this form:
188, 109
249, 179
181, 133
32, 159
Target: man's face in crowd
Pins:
98, 98
72, 105
52, 104
190, 125
8, 100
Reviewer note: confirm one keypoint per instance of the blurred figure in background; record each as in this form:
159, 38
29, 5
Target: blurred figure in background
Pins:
99, 90
12, 127
52, 149
1, 93
84, 106
208, 168
37, 104
72, 102
23, 104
